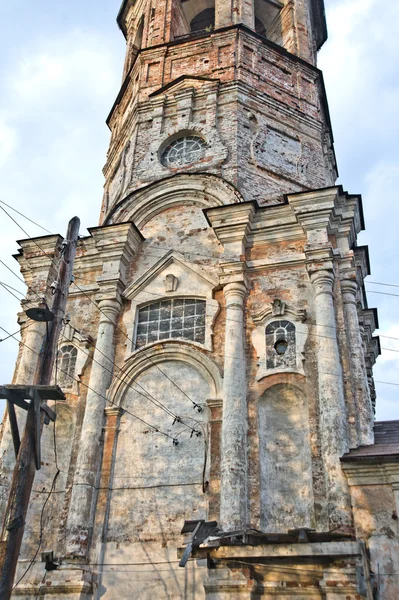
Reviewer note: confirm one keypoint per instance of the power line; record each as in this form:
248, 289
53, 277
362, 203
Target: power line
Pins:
41, 249
156, 429
195, 404
10, 292
164, 248
12, 288
146, 394
382, 293
41, 531
160, 405
25, 217
22, 229
17, 332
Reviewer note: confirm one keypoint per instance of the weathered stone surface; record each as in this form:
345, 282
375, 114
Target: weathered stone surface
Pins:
223, 343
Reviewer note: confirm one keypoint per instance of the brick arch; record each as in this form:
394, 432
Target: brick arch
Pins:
293, 379
169, 351
198, 189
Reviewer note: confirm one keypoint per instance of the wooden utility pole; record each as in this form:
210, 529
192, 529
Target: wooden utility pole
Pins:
38, 411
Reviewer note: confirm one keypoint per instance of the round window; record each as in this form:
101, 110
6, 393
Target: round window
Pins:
183, 151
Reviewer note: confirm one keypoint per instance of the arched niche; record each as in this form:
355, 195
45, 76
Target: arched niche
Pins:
194, 8
286, 492
267, 19
199, 189
157, 485
203, 21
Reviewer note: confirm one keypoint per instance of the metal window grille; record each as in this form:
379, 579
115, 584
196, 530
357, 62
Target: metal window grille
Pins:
67, 356
182, 318
278, 331
183, 151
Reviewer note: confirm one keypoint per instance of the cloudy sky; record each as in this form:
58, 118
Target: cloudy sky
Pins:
59, 75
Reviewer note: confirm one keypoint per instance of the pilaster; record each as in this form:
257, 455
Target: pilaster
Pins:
333, 427
116, 245
361, 392
233, 497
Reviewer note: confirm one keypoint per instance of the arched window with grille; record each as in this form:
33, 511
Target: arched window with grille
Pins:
66, 366
280, 345
178, 318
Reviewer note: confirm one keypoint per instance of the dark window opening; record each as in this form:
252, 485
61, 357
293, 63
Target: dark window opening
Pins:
204, 21
259, 27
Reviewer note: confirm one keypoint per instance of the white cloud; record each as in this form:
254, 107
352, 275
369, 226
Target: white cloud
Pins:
77, 63
55, 96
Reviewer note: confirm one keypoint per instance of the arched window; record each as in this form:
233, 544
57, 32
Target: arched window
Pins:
180, 318
204, 21
267, 19
66, 365
280, 345
259, 27
182, 151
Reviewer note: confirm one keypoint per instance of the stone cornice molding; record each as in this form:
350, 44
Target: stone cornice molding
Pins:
215, 402
235, 294
73, 335
232, 224
380, 471
109, 309
329, 211
113, 411
112, 249
349, 286
38, 266
323, 281
233, 272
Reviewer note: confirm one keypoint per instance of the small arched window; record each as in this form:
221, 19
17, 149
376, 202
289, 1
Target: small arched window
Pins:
179, 318
66, 366
280, 345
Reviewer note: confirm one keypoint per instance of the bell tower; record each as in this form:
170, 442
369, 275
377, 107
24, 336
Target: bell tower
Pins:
221, 347
239, 76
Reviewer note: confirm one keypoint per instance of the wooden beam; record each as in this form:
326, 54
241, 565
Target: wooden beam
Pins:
14, 426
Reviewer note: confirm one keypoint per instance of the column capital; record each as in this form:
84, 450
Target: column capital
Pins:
110, 309
113, 411
349, 287
235, 294
322, 280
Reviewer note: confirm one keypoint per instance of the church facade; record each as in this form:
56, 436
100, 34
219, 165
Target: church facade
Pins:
217, 357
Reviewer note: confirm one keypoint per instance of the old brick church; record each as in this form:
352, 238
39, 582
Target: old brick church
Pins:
218, 354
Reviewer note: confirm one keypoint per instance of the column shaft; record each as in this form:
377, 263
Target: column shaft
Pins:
80, 519
233, 499
361, 392
333, 428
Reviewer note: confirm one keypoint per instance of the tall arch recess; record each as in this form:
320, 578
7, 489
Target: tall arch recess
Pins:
200, 14
199, 189
162, 479
285, 459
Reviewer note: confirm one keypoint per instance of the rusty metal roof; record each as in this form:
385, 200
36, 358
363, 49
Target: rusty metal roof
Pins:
386, 443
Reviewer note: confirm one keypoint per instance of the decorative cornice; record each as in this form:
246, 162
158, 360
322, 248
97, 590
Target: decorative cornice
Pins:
277, 308
169, 258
